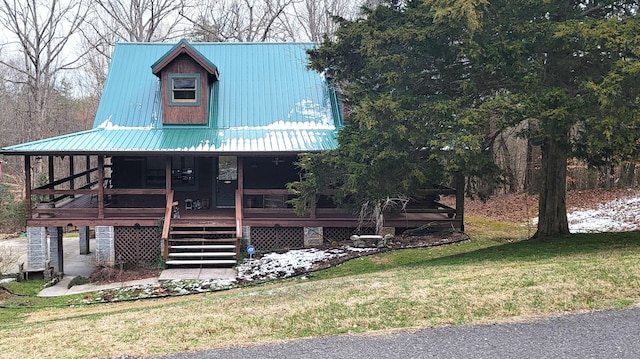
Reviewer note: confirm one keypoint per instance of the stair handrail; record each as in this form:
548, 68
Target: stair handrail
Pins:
167, 223
238, 221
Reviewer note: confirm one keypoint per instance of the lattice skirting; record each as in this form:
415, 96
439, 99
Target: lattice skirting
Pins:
136, 246
273, 239
277, 238
342, 234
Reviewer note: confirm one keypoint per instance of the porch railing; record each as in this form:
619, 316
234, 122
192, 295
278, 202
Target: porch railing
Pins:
166, 225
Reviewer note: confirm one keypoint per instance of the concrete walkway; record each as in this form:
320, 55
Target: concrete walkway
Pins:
61, 289
76, 264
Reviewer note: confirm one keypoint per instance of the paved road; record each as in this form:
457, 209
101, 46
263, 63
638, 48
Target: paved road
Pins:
605, 334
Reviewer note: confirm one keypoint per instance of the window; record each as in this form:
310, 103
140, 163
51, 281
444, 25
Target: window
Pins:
184, 89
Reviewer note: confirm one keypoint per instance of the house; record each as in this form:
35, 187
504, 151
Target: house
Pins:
189, 156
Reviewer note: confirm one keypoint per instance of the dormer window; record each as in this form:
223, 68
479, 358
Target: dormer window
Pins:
184, 89
187, 80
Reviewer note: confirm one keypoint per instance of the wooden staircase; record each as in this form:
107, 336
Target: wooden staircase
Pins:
201, 245
204, 242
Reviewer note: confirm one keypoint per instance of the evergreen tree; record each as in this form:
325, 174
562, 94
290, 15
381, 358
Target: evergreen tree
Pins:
429, 84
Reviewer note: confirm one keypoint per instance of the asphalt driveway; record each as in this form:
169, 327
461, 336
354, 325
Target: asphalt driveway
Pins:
603, 334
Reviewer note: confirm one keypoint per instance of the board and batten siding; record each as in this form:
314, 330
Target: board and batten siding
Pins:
180, 114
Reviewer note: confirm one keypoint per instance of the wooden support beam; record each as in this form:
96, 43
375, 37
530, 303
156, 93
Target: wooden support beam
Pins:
88, 167
64, 180
100, 187
72, 171
167, 177
27, 189
238, 222
51, 176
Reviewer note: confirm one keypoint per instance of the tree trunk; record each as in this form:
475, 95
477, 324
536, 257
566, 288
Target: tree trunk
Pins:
552, 211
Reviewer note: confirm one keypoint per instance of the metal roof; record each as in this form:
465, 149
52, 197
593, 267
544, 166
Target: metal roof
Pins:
266, 100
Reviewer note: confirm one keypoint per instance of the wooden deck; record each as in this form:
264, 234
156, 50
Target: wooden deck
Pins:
83, 211
88, 198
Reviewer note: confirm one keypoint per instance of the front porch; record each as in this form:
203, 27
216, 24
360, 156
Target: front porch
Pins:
208, 213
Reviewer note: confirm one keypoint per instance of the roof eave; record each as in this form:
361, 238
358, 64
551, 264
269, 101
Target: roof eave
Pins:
184, 47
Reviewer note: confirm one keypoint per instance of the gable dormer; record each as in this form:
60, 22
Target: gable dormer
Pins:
186, 77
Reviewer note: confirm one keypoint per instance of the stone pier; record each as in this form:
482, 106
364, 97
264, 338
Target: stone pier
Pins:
105, 246
56, 249
37, 248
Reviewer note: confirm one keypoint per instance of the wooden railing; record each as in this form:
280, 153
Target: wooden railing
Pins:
239, 218
167, 223
100, 209
260, 203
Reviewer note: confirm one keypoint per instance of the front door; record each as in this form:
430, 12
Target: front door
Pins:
226, 181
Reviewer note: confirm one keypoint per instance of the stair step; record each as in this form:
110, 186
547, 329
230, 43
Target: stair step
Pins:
213, 240
189, 223
204, 246
201, 261
202, 254
203, 232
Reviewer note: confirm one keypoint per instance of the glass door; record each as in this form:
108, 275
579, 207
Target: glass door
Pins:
226, 181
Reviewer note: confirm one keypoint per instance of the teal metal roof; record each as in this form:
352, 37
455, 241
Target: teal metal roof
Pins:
265, 100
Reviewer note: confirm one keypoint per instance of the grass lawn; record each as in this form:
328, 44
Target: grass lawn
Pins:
495, 277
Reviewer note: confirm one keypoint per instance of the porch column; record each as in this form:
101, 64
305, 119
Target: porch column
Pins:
88, 167
84, 239
100, 186
27, 186
72, 172
36, 248
105, 246
55, 249
51, 178
167, 176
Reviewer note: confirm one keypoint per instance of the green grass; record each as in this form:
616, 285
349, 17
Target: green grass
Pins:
497, 276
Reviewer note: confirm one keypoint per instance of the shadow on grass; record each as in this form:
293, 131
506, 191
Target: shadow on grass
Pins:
486, 252
533, 249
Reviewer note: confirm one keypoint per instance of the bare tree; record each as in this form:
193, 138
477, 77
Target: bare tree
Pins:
240, 20
114, 21
310, 20
42, 31
137, 20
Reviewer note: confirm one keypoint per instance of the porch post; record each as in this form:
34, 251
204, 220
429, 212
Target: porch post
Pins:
100, 186
72, 172
84, 239
167, 175
55, 249
27, 180
240, 165
88, 167
239, 200
51, 177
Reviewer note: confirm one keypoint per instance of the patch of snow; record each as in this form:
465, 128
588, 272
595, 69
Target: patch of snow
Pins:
108, 125
6, 280
619, 215
282, 265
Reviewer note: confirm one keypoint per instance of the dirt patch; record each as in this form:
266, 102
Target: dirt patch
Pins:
105, 275
5, 293
519, 207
